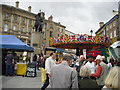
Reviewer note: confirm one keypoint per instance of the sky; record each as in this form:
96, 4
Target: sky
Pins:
79, 16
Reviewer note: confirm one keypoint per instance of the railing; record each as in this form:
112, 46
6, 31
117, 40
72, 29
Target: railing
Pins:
80, 39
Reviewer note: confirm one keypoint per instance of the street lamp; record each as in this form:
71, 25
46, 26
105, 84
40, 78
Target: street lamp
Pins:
91, 31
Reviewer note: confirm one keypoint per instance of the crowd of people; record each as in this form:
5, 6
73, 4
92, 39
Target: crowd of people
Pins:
71, 72
91, 73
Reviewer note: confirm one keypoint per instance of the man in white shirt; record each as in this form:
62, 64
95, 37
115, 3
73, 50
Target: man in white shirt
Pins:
49, 63
91, 64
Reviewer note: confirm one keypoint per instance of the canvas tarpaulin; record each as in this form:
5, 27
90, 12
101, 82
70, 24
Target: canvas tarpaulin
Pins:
12, 42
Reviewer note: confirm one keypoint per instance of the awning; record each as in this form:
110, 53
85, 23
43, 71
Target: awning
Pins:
12, 42
54, 49
115, 44
60, 50
115, 50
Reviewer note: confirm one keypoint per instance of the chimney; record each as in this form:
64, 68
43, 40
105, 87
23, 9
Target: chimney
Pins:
17, 4
50, 18
29, 8
101, 24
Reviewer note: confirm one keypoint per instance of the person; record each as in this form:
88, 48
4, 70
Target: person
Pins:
110, 63
91, 64
35, 59
104, 59
104, 72
9, 64
98, 67
86, 81
62, 75
112, 80
49, 63
79, 63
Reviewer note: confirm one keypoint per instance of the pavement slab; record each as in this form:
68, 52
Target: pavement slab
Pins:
22, 82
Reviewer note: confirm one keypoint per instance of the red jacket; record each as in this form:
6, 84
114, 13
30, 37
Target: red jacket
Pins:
98, 71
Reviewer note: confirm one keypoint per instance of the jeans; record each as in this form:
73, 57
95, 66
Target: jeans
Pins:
46, 83
9, 69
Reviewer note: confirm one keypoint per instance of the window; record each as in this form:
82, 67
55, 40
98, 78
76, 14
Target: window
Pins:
23, 20
51, 33
35, 44
58, 29
15, 17
111, 35
104, 32
114, 33
5, 27
30, 21
22, 29
29, 31
107, 28
14, 27
110, 26
7, 16
62, 30
114, 23
51, 26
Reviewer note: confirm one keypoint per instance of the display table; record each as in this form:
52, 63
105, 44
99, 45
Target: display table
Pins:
21, 68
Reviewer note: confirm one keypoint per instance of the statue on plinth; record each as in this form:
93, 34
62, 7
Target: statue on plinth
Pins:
38, 22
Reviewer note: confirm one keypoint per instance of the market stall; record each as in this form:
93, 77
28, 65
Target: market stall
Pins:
12, 43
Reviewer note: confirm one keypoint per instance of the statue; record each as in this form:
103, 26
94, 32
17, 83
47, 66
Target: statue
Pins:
38, 22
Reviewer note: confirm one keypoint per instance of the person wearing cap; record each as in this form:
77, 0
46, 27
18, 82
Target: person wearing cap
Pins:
62, 75
98, 67
103, 72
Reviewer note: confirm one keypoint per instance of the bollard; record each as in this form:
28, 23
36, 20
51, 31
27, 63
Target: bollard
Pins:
43, 75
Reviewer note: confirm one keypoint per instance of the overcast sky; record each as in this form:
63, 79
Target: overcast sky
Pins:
79, 16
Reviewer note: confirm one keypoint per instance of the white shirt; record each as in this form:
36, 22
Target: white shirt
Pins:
49, 63
92, 66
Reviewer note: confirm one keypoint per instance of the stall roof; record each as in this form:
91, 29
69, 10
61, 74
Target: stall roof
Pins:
54, 49
12, 42
115, 44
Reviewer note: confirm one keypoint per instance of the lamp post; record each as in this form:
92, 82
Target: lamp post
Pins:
91, 31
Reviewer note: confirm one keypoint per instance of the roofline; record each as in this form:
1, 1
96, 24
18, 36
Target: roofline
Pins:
111, 20
17, 9
70, 31
29, 13
56, 23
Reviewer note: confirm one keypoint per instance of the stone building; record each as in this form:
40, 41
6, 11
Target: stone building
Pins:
19, 22
109, 29
16, 21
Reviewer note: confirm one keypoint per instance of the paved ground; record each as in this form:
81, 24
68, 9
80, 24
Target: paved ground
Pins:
21, 82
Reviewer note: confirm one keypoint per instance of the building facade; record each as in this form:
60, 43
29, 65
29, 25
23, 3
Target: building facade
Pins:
109, 29
19, 22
